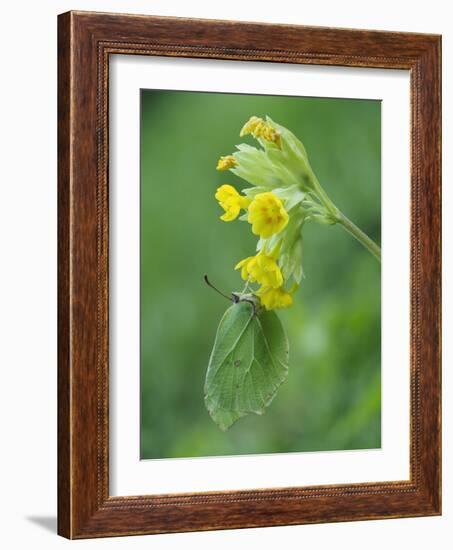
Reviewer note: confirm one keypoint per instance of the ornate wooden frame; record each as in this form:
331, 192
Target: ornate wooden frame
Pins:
85, 42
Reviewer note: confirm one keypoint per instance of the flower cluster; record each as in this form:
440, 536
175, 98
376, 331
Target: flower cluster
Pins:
284, 195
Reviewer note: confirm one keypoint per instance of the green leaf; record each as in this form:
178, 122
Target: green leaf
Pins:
248, 363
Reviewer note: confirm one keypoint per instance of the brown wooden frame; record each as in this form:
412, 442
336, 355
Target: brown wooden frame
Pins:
85, 42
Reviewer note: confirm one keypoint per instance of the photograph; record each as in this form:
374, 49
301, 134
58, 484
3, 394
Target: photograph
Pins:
225, 261
260, 274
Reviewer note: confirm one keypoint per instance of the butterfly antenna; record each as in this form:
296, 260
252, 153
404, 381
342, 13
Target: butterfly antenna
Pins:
208, 282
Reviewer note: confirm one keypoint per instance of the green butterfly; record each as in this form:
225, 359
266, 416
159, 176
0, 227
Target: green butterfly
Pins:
248, 363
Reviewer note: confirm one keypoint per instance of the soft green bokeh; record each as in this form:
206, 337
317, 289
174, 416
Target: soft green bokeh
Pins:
332, 397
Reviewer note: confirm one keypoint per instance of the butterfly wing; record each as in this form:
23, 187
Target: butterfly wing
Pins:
248, 363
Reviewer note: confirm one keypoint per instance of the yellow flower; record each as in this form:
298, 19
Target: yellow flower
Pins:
261, 268
259, 128
251, 126
225, 163
231, 201
267, 215
270, 134
274, 298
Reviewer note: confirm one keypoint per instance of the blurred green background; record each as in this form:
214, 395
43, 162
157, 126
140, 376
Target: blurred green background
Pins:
332, 397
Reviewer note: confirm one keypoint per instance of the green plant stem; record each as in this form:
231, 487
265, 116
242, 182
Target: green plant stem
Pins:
351, 228
338, 217
244, 290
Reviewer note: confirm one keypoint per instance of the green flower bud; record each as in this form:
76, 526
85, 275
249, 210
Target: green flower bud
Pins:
281, 162
292, 155
254, 166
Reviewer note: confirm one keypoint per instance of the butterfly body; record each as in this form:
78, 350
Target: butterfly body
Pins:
249, 298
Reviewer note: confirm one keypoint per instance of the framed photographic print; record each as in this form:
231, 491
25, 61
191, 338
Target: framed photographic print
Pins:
249, 275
